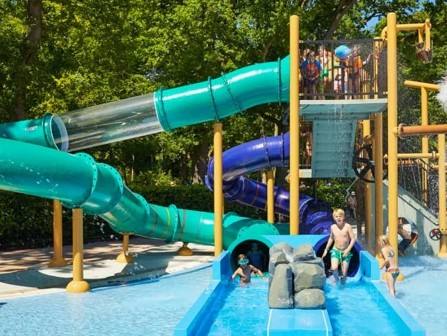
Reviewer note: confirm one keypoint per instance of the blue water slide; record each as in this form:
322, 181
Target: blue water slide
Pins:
266, 153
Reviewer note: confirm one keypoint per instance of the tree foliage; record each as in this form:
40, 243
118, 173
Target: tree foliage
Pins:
70, 54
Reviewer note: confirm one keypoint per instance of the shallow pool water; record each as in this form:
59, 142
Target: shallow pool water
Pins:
145, 308
357, 309
155, 307
243, 310
423, 292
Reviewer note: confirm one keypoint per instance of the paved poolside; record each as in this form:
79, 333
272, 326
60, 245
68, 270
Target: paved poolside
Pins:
26, 271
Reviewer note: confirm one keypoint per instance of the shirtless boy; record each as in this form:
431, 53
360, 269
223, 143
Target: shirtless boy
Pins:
343, 238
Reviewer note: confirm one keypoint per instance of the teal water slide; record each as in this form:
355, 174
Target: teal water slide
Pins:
34, 158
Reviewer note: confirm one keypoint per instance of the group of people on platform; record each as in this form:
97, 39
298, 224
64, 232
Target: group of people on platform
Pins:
322, 73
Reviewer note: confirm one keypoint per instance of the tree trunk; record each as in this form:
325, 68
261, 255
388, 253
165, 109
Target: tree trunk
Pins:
29, 51
343, 7
201, 162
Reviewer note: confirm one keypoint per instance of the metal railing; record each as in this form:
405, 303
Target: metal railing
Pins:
359, 72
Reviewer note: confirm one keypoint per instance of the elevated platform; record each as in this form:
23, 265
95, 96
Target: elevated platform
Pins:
341, 109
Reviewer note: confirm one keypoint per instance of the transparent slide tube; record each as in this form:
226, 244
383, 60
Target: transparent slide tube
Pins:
111, 122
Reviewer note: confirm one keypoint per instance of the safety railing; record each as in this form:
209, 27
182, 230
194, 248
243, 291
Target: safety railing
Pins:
343, 69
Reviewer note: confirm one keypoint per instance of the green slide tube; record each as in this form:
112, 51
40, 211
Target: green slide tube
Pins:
80, 182
219, 98
164, 110
48, 131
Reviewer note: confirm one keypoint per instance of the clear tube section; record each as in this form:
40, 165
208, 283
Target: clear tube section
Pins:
111, 122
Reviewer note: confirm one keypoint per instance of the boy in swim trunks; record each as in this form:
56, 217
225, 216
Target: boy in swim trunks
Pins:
389, 262
343, 239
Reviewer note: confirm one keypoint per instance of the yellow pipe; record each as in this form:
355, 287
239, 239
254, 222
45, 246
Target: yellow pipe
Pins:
402, 27
218, 189
58, 256
368, 201
294, 126
404, 131
424, 122
378, 45
270, 197
392, 126
427, 155
417, 85
435, 166
378, 172
420, 36
427, 27
124, 256
78, 284
442, 200
409, 26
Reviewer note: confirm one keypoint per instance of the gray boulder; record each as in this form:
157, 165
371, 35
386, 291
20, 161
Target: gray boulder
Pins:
281, 287
308, 276
303, 253
312, 298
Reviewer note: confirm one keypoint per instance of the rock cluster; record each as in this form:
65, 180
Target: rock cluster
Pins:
297, 278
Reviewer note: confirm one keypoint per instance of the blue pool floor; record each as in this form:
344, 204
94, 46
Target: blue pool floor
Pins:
155, 307
424, 292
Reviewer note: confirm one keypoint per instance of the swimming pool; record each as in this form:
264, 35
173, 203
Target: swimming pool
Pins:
142, 308
355, 309
423, 292
242, 310
155, 307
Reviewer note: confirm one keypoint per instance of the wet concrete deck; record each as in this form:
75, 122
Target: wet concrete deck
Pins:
26, 271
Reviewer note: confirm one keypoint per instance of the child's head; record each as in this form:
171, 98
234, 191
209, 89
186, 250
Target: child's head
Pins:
242, 260
383, 241
338, 215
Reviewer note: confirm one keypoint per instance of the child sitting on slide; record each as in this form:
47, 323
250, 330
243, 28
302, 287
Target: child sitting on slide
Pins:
244, 270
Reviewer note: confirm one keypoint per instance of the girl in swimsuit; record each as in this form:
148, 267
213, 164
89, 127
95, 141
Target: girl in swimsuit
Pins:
389, 262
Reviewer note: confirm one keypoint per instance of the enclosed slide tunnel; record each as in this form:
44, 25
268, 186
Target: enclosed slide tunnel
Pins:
267, 153
164, 110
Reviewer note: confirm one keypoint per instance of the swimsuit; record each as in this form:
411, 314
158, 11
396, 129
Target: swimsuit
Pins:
338, 255
246, 270
394, 272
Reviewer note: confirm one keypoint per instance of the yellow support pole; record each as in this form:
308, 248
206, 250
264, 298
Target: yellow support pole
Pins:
442, 201
424, 122
58, 256
294, 127
78, 284
184, 251
420, 36
270, 197
427, 26
378, 172
367, 197
124, 256
391, 35
218, 189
